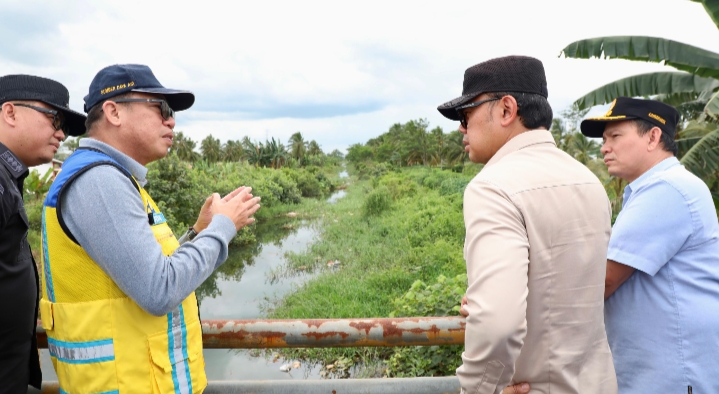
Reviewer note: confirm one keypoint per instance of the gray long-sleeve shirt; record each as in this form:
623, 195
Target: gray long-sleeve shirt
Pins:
105, 214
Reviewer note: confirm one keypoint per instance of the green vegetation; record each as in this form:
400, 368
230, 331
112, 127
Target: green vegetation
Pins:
412, 144
398, 240
272, 153
180, 188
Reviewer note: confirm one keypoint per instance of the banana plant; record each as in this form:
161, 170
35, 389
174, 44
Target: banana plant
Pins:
37, 185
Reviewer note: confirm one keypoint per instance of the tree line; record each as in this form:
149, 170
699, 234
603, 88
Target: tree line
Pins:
298, 152
411, 144
269, 154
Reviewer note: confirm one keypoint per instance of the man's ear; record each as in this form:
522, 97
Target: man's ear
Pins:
8, 114
112, 111
510, 110
655, 138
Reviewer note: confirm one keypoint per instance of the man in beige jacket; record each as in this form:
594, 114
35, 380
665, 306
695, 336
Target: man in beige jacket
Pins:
537, 228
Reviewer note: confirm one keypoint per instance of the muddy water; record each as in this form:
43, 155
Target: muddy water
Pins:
241, 298
239, 288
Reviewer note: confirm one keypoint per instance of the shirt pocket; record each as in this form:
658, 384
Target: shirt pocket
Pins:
176, 359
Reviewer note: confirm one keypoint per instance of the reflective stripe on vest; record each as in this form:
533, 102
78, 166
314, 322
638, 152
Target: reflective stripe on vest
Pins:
82, 352
46, 261
177, 348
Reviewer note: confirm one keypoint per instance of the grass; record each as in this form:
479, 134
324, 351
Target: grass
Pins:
419, 236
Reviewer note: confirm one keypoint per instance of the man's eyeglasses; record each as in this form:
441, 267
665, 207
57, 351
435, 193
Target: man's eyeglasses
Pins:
165, 110
58, 119
460, 110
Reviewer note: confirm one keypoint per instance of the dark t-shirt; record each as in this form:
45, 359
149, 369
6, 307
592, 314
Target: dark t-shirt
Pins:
19, 363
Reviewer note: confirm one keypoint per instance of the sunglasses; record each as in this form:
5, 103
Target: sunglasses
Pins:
165, 110
58, 119
461, 114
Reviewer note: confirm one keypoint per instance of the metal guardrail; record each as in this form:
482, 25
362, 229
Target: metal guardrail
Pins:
335, 386
264, 334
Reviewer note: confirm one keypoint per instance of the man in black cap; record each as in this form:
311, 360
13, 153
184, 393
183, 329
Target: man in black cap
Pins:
662, 280
118, 303
537, 227
35, 119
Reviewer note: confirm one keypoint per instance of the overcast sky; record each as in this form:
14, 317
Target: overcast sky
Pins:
340, 72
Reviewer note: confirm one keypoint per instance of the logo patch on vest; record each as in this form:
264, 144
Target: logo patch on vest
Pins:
154, 218
158, 218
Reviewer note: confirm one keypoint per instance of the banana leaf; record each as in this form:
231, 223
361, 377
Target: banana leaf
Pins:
681, 56
668, 83
702, 158
684, 144
712, 8
712, 107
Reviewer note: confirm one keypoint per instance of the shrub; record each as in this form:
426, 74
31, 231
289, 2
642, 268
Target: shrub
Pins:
308, 185
290, 193
471, 168
440, 299
378, 201
398, 185
453, 185
432, 182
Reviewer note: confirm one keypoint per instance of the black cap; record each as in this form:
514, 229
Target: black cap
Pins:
520, 74
124, 78
625, 108
52, 93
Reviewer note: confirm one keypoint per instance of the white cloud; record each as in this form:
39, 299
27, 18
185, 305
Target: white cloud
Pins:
340, 72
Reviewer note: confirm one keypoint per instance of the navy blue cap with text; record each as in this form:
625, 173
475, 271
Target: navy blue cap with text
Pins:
124, 78
655, 112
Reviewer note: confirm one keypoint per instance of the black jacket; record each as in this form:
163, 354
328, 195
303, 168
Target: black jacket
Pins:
19, 284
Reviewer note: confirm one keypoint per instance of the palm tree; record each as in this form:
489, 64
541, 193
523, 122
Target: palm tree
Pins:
417, 142
250, 151
454, 148
438, 138
695, 86
313, 149
297, 146
211, 149
232, 151
184, 147
276, 153
584, 149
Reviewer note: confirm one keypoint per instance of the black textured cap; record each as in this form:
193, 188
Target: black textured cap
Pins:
123, 78
520, 74
53, 93
625, 108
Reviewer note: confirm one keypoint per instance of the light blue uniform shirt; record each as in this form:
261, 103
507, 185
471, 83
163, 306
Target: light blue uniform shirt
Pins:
663, 322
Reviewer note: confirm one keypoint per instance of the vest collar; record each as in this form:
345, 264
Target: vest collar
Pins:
136, 169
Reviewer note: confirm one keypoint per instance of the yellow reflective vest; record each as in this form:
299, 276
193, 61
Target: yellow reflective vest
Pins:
100, 340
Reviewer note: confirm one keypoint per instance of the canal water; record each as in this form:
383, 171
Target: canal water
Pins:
242, 293
239, 289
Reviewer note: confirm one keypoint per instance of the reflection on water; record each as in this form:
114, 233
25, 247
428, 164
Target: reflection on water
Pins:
237, 288
336, 196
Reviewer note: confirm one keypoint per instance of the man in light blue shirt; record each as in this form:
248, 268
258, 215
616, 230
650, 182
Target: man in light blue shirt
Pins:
662, 284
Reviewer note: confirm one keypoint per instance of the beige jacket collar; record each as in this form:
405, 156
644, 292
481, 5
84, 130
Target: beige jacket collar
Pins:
521, 141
